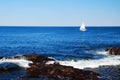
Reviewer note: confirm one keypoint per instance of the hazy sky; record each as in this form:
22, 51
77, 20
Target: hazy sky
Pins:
60, 12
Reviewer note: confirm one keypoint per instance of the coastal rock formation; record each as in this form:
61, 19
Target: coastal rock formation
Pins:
40, 68
7, 70
37, 58
59, 71
113, 50
47, 67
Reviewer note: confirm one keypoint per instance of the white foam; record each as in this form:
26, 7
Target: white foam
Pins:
22, 62
52, 58
50, 62
102, 52
82, 64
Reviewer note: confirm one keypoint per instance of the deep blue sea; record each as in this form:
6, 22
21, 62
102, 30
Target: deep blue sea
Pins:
66, 44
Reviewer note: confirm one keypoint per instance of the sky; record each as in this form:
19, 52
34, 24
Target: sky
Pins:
59, 12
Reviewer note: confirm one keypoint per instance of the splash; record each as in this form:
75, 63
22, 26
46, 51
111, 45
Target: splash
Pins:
50, 62
102, 52
82, 64
22, 62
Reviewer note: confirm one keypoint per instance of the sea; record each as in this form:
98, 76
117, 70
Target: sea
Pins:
67, 44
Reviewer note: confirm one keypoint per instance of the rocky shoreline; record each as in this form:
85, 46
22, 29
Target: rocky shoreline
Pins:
43, 66
113, 50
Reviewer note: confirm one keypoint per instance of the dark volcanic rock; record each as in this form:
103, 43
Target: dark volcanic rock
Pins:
118, 69
7, 70
40, 68
8, 67
114, 50
1, 57
60, 71
37, 58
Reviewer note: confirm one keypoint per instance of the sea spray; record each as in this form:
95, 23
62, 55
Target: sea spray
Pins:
102, 52
21, 62
82, 64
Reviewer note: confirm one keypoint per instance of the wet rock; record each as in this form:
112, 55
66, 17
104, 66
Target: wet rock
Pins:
1, 57
60, 71
8, 67
39, 68
37, 58
7, 70
113, 50
118, 69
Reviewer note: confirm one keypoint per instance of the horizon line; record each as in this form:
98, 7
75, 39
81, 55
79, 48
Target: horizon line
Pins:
55, 26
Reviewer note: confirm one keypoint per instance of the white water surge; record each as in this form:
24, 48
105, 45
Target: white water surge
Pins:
103, 52
92, 63
22, 62
82, 64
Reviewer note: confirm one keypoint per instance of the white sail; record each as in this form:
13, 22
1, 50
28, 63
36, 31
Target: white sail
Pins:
82, 27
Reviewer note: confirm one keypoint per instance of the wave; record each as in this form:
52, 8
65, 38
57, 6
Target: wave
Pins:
21, 62
102, 52
82, 64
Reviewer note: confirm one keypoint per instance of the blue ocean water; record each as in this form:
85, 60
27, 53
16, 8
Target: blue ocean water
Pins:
58, 42
79, 49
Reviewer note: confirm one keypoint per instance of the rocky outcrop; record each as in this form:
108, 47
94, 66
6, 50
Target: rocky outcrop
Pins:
37, 58
113, 50
7, 70
41, 68
8, 67
60, 71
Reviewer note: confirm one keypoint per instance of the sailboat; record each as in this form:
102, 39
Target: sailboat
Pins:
82, 27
